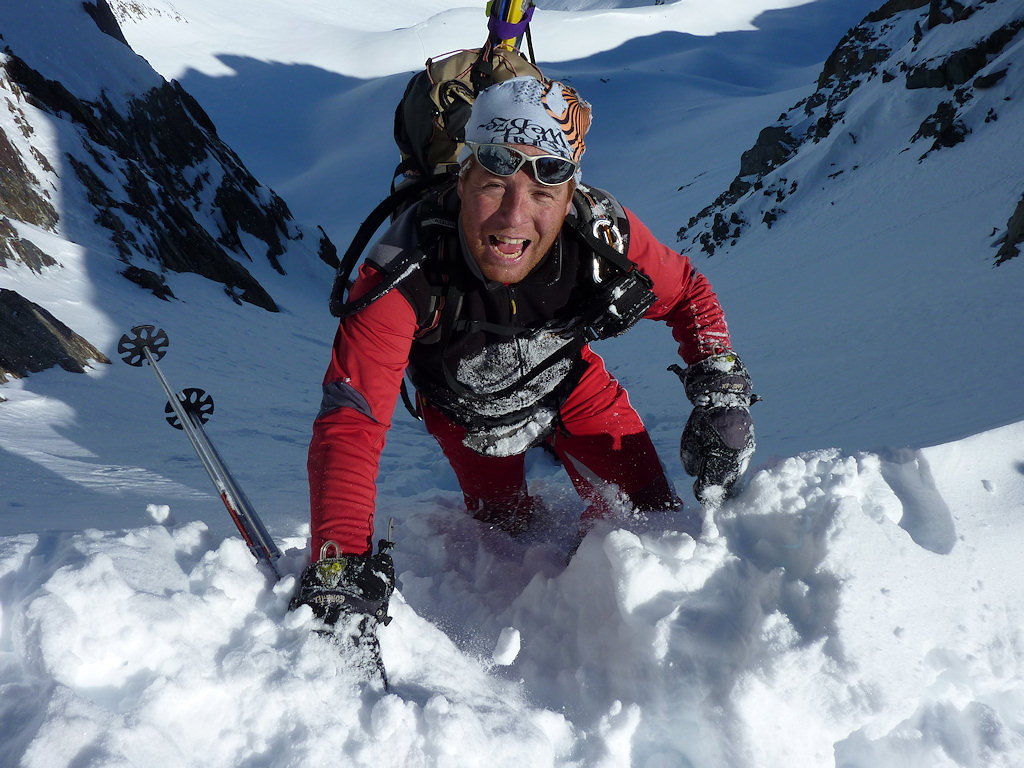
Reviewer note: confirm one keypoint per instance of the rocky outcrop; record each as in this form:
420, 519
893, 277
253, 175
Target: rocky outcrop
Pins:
959, 66
884, 49
100, 13
21, 196
163, 188
944, 126
164, 152
773, 147
892, 7
32, 340
1014, 235
20, 249
127, 10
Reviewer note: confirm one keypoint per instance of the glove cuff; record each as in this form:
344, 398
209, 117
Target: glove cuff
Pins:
719, 380
347, 584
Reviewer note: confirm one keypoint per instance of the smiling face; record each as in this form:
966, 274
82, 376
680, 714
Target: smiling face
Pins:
510, 222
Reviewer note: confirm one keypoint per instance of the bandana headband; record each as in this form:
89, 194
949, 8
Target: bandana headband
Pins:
548, 115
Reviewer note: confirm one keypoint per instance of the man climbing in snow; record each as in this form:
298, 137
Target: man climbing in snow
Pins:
487, 296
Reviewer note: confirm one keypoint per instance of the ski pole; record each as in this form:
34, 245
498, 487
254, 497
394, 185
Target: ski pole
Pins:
148, 344
508, 22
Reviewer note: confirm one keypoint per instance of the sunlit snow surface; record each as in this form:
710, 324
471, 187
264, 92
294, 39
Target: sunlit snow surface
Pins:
856, 605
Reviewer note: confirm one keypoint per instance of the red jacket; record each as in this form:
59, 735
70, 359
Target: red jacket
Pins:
368, 361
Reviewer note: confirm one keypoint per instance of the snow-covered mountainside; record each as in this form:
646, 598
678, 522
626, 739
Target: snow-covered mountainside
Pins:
97, 130
857, 605
913, 78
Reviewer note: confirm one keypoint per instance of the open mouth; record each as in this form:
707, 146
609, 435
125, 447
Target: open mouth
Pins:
508, 247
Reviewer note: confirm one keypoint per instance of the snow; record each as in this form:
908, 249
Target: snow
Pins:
58, 39
856, 605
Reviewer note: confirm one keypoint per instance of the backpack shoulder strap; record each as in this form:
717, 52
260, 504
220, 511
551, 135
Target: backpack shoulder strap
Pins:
399, 199
624, 292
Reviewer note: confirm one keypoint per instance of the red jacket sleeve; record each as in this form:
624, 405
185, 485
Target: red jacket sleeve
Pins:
685, 298
360, 389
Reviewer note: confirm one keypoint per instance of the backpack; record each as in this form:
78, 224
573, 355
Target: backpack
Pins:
430, 120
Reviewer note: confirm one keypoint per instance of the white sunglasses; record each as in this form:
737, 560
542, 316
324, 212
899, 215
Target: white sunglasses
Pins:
503, 160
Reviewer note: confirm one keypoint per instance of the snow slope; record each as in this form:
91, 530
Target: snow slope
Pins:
856, 605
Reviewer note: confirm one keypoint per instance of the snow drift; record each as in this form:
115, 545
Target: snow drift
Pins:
854, 608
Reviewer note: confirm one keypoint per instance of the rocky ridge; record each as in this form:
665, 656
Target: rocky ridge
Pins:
885, 49
170, 195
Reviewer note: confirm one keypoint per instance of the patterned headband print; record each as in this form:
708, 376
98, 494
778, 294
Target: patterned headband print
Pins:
571, 113
523, 110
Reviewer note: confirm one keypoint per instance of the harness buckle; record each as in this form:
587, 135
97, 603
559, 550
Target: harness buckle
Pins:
604, 229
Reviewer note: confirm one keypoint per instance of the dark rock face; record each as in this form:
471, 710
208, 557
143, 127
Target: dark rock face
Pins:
100, 12
773, 147
327, 251
960, 66
162, 140
21, 249
856, 54
32, 340
20, 197
1014, 235
149, 280
878, 47
891, 8
944, 126
171, 195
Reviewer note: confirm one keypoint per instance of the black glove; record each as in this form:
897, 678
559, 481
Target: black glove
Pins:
718, 439
339, 584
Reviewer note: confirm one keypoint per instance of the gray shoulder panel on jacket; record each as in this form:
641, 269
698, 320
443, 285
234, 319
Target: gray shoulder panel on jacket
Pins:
397, 240
341, 394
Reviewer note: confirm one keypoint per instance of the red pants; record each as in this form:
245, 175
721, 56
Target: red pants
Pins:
601, 441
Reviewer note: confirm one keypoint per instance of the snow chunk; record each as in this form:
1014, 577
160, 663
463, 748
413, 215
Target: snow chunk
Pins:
507, 648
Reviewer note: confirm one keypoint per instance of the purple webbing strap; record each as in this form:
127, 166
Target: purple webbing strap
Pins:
506, 30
